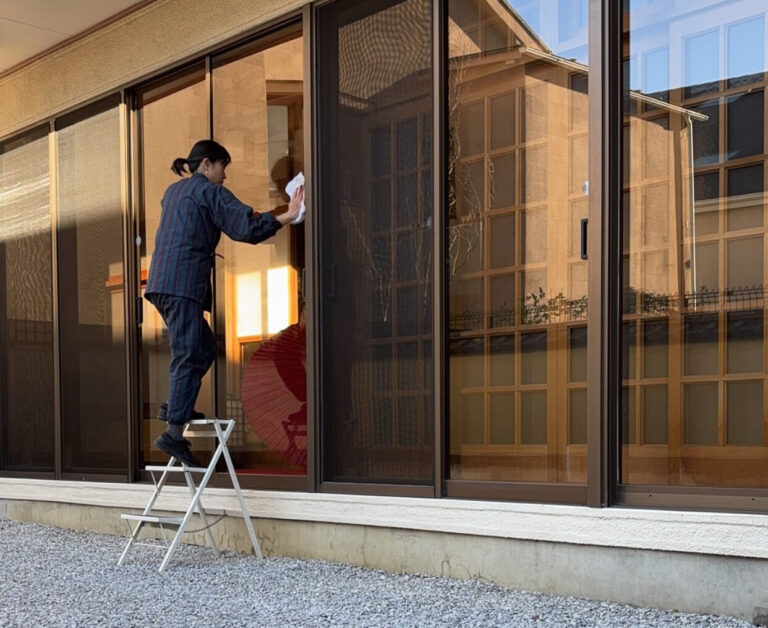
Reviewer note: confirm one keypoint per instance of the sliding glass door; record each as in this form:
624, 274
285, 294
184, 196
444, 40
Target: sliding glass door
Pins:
376, 242
693, 262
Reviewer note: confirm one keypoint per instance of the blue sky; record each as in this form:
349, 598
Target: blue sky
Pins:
672, 42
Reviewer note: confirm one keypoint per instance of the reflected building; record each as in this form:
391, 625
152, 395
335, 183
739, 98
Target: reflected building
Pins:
533, 271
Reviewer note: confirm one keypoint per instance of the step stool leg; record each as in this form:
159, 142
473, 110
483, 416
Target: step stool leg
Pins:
231, 467
201, 512
155, 494
191, 509
131, 540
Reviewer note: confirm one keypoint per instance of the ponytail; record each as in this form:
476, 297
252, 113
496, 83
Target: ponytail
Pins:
203, 149
179, 165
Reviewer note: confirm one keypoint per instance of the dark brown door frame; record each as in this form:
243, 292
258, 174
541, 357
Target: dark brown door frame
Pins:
603, 388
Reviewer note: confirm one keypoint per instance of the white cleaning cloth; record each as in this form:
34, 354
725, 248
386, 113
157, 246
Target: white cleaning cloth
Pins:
290, 189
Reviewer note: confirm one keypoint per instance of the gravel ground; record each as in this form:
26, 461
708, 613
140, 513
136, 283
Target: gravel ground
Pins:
54, 577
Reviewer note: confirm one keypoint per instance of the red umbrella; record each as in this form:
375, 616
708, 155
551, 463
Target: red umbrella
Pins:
274, 394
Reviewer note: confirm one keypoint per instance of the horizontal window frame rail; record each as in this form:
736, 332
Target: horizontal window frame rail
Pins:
250, 481
24, 475
110, 101
712, 499
116, 478
380, 489
543, 492
35, 132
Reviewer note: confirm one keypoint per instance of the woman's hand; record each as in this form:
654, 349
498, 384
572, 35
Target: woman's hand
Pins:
293, 207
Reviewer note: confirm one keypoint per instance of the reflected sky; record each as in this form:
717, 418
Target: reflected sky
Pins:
565, 36
694, 44
673, 43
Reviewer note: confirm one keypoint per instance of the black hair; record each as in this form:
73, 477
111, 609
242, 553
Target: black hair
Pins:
202, 149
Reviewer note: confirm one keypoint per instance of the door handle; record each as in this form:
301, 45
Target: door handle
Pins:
139, 310
584, 222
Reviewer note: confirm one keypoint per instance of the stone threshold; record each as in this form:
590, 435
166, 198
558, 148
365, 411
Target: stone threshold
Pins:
718, 534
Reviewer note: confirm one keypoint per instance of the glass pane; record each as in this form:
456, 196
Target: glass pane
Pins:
701, 344
534, 236
745, 270
628, 415
702, 54
655, 348
745, 341
502, 301
744, 415
407, 255
406, 200
655, 415
26, 306
94, 405
465, 308
534, 297
471, 128
700, 412
578, 352
165, 135
693, 250
406, 141
579, 210
746, 51
502, 360
706, 138
364, 297
533, 418
471, 416
381, 204
578, 413
629, 353
503, 419
503, 120
408, 366
745, 197
654, 216
381, 151
533, 358
706, 192
467, 362
745, 125
411, 311
534, 113
579, 170
655, 144
518, 167
535, 175
472, 186
502, 177
503, 241
707, 277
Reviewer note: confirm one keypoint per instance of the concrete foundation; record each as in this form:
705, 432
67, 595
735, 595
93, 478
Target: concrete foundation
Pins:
701, 583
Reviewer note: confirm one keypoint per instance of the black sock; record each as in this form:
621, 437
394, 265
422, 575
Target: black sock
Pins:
175, 431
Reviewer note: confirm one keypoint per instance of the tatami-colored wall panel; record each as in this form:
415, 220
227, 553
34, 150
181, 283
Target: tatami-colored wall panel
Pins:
145, 42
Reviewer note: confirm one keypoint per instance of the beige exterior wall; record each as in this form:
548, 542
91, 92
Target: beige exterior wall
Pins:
144, 43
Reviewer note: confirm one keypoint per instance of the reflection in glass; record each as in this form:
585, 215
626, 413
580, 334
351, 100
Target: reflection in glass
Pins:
518, 138
26, 307
258, 115
91, 296
165, 135
694, 246
376, 242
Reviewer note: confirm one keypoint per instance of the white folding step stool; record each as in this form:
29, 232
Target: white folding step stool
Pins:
222, 428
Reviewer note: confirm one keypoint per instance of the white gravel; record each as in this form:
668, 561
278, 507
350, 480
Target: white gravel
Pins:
55, 577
